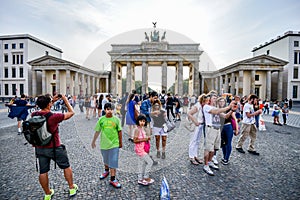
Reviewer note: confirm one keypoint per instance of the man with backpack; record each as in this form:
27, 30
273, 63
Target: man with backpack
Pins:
162, 98
54, 150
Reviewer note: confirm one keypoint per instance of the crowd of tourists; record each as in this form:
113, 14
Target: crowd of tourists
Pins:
213, 121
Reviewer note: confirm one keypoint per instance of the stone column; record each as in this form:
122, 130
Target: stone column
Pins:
217, 85
68, 81
226, 84
57, 81
232, 83
89, 85
180, 78
268, 85
34, 89
197, 79
44, 86
106, 85
221, 84
279, 92
97, 85
76, 85
113, 79
129, 77
240, 84
252, 89
164, 76
93, 85
144, 77
202, 85
83, 87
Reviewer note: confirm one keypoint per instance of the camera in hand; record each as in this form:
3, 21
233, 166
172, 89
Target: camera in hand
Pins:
59, 96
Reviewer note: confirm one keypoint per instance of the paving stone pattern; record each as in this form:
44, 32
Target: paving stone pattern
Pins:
272, 175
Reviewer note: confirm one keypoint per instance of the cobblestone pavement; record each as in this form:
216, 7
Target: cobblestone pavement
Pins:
272, 175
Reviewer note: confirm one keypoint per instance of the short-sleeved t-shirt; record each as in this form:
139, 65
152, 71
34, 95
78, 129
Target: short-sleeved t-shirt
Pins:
211, 119
200, 113
248, 108
52, 126
20, 102
109, 128
159, 120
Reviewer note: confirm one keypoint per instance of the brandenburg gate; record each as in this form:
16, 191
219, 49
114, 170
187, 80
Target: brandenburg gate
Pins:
155, 51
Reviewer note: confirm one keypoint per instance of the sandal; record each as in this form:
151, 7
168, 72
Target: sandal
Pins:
143, 182
198, 160
194, 162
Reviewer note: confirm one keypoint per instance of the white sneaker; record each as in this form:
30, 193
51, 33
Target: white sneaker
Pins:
208, 170
212, 165
214, 159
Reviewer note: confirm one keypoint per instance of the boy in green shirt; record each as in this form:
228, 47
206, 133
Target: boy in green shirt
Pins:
110, 142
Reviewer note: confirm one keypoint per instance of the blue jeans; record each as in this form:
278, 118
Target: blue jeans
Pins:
226, 135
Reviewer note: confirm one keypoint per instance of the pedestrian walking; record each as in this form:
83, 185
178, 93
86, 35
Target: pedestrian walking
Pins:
159, 116
285, 113
248, 126
170, 104
110, 142
130, 118
142, 147
54, 150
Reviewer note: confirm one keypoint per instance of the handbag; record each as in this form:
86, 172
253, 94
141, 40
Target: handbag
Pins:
147, 146
168, 126
189, 125
136, 112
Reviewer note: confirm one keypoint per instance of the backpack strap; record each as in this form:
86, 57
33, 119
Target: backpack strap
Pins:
49, 114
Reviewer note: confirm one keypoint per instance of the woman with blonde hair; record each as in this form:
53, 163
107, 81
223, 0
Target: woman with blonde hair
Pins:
195, 115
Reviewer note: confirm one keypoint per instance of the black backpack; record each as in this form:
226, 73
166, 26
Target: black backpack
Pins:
35, 130
162, 99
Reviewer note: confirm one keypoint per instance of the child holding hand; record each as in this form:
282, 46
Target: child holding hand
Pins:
142, 149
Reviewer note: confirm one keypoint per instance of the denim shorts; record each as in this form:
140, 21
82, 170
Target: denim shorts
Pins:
45, 155
111, 157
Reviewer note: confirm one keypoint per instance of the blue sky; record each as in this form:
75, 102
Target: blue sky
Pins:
226, 29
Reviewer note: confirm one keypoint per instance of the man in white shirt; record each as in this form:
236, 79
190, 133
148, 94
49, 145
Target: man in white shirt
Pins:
212, 131
248, 126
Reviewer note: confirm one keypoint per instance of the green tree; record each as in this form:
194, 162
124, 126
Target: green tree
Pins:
185, 87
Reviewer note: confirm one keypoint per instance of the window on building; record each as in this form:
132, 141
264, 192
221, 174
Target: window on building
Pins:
5, 58
295, 91
54, 76
228, 80
223, 81
295, 57
5, 89
14, 89
257, 91
235, 78
13, 72
256, 77
295, 76
296, 43
21, 59
21, 72
13, 46
268, 52
21, 47
21, 88
5, 46
6, 72
18, 59
14, 59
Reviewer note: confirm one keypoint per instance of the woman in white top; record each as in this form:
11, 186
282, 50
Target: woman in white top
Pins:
196, 116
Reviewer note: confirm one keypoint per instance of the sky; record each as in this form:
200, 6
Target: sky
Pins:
227, 30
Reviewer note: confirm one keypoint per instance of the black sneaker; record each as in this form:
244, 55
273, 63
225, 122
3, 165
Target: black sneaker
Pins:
240, 150
224, 162
253, 152
130, 140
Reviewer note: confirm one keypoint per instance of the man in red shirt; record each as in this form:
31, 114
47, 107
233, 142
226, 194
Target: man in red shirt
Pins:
46, 153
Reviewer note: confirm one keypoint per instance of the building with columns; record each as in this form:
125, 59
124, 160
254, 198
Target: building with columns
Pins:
158, 53
285, 47
55, 75
261, 75
15, 72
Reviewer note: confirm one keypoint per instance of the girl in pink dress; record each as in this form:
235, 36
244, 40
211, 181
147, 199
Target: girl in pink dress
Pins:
145, 162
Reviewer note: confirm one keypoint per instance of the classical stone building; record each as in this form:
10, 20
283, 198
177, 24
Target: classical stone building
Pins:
55, 75
253, 75
15, 52
285, 47
155, 52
